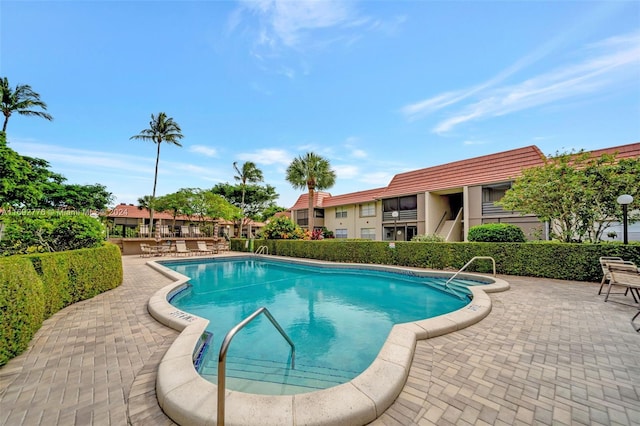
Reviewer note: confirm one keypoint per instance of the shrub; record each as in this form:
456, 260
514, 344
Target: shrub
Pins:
496, 233
47, 231
21, 306
34, 287
282, 228
433, 238
535, 259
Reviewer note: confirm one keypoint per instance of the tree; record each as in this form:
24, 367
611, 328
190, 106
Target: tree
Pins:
77, 197
576, 193
312, 172
249, 173
161, 129
270, 211
20, 100
176, 203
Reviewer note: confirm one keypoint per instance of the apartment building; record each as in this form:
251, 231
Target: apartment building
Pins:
446, 200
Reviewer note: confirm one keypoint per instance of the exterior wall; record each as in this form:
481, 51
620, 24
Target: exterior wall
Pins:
473, 208
436, 206
354, 223
533, 229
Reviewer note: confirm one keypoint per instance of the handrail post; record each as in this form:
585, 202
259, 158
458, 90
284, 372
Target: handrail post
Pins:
222, 357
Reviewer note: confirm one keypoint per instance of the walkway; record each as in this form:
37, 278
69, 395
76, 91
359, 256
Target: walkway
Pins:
550, 352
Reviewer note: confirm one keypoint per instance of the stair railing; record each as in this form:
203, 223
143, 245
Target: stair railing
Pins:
469, 263
222, 357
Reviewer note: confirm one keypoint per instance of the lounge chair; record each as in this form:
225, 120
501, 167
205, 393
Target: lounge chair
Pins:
181, 248
184, 231
606, 277
622, 275
195, 232
202, 248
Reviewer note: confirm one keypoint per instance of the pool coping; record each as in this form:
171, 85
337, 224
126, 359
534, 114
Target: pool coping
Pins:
187, 398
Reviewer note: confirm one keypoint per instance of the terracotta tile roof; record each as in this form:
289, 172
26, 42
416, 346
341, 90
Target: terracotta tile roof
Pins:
133, 212
623, 151
303, 200
491, 168
353, 198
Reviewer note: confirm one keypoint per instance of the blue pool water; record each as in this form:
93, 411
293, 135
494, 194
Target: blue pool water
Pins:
337, 318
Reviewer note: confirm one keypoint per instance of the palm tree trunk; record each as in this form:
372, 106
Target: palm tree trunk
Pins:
153, 195
311, 212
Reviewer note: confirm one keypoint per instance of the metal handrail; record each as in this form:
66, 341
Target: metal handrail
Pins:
441, 220
222, 358
262, 250
469, 263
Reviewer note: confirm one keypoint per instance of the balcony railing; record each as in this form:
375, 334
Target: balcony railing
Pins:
403, 215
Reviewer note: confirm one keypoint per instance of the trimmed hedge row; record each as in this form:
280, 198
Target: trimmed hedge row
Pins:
563, 261
34, 287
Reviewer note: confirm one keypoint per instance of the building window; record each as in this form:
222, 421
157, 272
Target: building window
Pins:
341, 233
341, 212
367, 210
368, 233
302, 217
493, 193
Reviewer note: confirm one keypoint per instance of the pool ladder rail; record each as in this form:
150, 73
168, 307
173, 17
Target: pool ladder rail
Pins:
446, 284
262, 250
222, 357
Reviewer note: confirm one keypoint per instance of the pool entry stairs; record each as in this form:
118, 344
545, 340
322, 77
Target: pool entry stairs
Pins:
271, 377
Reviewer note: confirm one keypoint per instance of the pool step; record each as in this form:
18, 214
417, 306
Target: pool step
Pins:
275, 378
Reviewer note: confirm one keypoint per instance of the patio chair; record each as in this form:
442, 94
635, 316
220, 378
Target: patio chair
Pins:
165, 232
144, 231
606, 277
202, 248
195, 232
145, 250
181, 248
222, 245
184, 231
624, 275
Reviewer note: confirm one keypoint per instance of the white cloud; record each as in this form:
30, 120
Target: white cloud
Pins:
268, 157
605, 64
204, 150
286, 22
617, 64
376, 178
346, 171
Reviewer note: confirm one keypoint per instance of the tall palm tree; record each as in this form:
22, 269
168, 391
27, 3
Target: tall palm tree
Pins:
20, 100
249, 173
161, 129
312, 172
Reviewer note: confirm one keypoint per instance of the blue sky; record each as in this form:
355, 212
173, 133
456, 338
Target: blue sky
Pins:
376, 87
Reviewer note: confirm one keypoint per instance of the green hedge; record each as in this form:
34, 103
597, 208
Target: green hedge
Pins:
535, 259
34, 287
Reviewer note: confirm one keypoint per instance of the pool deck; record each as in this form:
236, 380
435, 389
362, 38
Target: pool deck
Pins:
550, 352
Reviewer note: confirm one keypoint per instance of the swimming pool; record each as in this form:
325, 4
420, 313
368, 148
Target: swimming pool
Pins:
337, 318
187, 398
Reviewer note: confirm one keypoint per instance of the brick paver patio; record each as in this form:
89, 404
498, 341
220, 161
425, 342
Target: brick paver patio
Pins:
550, 352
